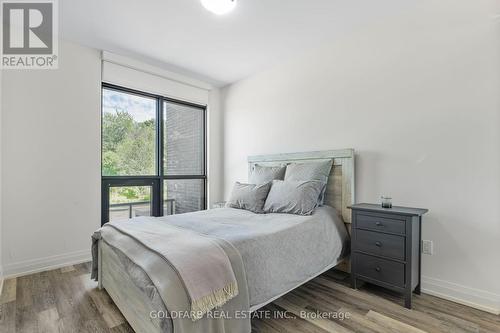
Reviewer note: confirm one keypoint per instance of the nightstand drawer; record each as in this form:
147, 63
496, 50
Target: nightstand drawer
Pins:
377, 223
385, 245
383, 270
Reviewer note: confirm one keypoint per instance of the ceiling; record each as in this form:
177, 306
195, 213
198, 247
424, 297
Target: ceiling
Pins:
181, 35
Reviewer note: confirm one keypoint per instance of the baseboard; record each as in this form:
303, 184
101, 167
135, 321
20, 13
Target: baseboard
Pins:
44, 264
476, 298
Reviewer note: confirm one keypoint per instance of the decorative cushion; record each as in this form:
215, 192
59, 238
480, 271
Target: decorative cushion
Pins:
319, 171
293, 196
264, 174
249, 196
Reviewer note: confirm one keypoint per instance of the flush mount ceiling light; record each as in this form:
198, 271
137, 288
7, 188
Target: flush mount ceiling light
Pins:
219, 7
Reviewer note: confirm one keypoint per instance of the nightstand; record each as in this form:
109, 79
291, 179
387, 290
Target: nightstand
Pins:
385, 247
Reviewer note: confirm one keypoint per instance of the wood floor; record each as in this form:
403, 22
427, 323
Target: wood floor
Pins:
66, 300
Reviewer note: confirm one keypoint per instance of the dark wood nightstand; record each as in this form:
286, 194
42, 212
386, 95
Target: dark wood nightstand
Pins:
385, 247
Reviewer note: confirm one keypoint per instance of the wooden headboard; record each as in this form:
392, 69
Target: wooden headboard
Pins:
340, 188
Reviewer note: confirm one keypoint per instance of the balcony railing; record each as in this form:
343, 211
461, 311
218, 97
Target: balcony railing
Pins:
138, 212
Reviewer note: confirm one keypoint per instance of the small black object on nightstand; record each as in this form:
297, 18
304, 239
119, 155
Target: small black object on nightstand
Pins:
385, 247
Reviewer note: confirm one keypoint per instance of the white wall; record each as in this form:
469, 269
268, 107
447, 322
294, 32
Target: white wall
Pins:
418, 98
51, 161
1, 235
215, 148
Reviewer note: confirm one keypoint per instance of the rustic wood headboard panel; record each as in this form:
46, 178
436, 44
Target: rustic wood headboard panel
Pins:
340, 188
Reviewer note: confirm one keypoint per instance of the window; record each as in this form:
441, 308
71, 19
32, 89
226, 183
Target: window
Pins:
153, 155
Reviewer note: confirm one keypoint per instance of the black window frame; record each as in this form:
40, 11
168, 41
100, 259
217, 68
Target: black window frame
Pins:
156, 181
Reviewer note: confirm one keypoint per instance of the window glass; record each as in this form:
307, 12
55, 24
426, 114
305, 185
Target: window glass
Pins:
129, 201
183, 139
183, 196
128, 134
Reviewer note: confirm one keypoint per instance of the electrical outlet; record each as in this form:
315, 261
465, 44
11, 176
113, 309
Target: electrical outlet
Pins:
427, 247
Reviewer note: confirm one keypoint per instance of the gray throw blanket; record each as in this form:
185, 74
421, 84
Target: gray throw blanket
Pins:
207, 276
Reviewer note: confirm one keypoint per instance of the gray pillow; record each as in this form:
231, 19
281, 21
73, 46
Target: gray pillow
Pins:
311, 171
264, 174
293, 197
249, 196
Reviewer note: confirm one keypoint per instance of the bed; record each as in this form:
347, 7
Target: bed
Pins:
279, 252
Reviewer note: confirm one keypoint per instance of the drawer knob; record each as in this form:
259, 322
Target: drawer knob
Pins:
378, 244
377, 269
378, 224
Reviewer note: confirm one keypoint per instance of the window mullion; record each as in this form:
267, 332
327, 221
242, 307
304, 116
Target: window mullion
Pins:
160, 150
160, 136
